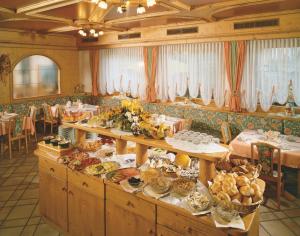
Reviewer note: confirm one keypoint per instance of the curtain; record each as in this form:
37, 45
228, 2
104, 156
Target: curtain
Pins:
150, 61
94, 62
85, 70
234, 60
122, 70
192, 70
270, 67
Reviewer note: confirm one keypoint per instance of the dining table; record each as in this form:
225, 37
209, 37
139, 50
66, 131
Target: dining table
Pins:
288, 144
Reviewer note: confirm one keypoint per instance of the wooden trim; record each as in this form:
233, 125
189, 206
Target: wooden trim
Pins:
208, 32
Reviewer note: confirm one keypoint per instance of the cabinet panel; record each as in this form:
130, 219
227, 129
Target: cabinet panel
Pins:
192, 226
87, 183
131, 203
53, 200
53, 168
86, 213
164, 231
120, 221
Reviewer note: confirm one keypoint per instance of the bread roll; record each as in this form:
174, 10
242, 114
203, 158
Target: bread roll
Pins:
242, 181
246, 201
224, 196
237, 197
246, 191
232, 191
216, 187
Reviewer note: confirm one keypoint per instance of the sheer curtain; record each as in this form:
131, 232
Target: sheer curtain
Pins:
193, 68
122, 70
270, 66
85, 76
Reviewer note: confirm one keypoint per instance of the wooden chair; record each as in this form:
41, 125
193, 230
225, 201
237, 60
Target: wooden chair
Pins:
268, 156
48, 117
15, 132
226, 133
32, 115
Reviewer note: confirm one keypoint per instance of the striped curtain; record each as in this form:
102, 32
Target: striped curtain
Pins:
234, 61
150, 61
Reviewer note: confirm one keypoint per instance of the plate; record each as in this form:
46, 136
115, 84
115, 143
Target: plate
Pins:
117, 176
148, 191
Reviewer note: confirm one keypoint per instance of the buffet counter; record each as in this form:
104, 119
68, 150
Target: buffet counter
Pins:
80, 204
206, 160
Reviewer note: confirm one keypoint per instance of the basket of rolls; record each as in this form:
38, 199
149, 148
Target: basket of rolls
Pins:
237, 192
240, 166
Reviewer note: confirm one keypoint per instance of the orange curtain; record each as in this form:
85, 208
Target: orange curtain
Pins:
150, 61
94, 63
234, 61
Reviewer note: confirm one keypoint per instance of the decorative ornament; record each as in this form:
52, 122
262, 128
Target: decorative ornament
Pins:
5, 67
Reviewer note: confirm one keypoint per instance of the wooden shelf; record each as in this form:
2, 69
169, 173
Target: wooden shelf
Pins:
206, 161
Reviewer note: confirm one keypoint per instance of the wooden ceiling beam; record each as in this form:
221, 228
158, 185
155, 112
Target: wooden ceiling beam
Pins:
99, 14
141, 17
45, 5
176, 4
64, 29
53, 18
6, 10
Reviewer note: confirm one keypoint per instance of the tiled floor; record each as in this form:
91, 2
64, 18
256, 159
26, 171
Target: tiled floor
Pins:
19, 211
19, 196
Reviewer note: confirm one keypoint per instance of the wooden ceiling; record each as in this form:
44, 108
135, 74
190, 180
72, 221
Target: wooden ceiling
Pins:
67, 16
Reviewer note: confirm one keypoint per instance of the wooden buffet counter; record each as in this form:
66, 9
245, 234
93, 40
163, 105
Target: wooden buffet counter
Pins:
207, 168
79, 204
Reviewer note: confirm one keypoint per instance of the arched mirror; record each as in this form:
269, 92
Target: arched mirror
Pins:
35, 76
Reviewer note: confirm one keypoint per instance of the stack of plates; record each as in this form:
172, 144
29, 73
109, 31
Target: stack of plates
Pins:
67, 133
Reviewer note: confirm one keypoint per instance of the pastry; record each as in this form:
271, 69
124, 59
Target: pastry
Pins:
216, 187
219, 178
242, 181
247, 201
257, 198
233, 191
246, 191
237, 198
183, 186
224, 196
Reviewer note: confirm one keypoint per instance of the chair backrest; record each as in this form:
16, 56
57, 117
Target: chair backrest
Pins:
14, 127
226, 133
47, 112
32, 113
267, 156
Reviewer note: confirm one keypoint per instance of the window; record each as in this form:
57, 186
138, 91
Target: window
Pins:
35, 76
122, 70
271, 73
196, 70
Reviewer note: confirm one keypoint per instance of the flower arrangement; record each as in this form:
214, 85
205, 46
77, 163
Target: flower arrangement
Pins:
154, 131
131, 110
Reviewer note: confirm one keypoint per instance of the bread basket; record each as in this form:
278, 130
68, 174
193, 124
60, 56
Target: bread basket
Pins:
242, 209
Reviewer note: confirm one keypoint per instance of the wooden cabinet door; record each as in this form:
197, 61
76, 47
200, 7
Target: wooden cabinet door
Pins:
120, 221
164, 231
86, 213
53, 200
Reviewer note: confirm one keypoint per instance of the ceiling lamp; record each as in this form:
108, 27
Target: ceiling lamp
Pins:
90, 33
151, 3
102, 4
122, 9
140, 9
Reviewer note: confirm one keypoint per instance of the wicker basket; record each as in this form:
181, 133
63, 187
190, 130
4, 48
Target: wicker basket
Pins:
242, 209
